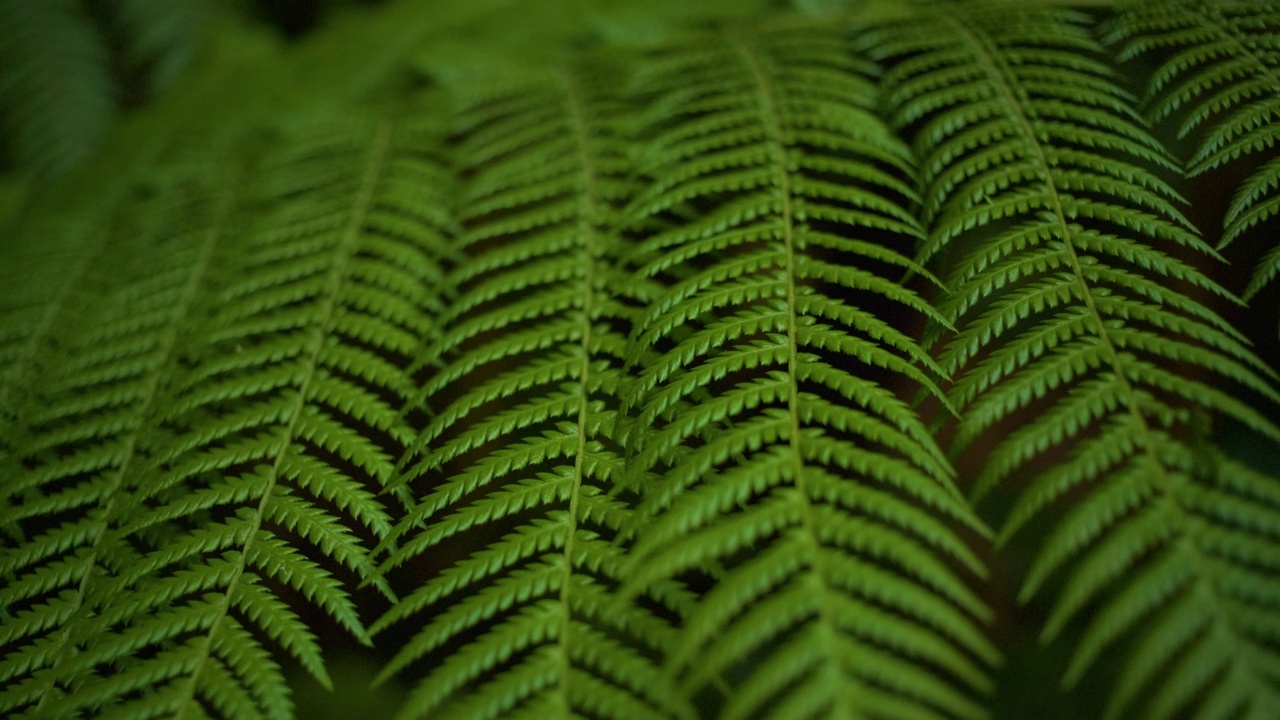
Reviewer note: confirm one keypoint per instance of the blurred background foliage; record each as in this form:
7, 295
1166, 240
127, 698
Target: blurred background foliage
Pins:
71, 71
70, 68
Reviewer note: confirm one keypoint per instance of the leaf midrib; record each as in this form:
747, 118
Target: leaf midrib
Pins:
775, 139
588, 216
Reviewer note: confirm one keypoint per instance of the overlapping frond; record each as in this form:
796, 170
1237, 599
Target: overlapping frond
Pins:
524, 387
1220, 74
1219, 644
85, 345
212, 448
1084, 350
53, 268
775, 452
75, 443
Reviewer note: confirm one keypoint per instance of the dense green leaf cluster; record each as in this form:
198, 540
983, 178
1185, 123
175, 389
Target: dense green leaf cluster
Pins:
750, 368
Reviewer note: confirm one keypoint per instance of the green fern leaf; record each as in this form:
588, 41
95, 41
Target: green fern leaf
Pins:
525, 387
82, 440
777, 460
1219, 71
212, 472
1084, 351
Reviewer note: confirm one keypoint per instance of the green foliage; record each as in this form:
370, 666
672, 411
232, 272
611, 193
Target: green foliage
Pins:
1068, 283
69, 67
764, 365
57, 97
1219, 72
775, 222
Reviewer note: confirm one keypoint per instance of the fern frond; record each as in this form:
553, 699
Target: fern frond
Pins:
195, 507
1084, 350
68, 483
53, 266
778, 460
1221, 73
525, 393
1212, 643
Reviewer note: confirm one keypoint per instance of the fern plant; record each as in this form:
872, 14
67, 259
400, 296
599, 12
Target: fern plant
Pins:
1078, 292
775, 364
776, 218
1220, 73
